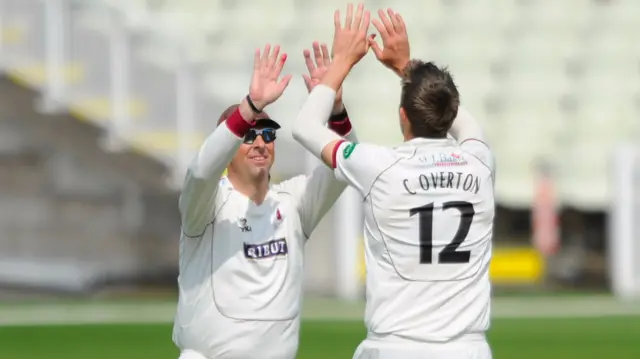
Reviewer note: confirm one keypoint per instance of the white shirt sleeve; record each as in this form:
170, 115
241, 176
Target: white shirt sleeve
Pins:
360, 164
469, 134
481, 151
197, 200
316, 193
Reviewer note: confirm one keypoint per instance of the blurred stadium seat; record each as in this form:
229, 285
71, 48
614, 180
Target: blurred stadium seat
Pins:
553, 81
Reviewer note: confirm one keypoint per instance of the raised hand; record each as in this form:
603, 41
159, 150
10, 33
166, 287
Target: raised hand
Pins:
317, 67
265, 86
395, 53
350, 42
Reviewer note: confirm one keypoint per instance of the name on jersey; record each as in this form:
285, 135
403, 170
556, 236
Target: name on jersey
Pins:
445, 180
276, 247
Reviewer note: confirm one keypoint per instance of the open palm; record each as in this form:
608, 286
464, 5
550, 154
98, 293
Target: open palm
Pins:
266, 85
317, 67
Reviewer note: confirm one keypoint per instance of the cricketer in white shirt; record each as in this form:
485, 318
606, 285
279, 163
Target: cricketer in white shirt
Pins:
241, 264
429, 211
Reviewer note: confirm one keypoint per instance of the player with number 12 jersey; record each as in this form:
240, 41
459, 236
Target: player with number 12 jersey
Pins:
429, 213
428, 203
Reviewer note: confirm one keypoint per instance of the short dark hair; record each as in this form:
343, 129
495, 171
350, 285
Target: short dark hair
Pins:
429, 98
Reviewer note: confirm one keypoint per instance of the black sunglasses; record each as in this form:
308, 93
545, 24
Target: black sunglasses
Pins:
268, 135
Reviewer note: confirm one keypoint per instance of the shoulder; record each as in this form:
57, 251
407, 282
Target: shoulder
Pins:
290, 186
367, 154
480, 150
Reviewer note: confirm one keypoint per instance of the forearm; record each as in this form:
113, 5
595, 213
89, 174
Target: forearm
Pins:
465, 127
309, 126
340, 123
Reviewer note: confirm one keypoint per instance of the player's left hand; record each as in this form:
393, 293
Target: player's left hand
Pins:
395, 53
317, 67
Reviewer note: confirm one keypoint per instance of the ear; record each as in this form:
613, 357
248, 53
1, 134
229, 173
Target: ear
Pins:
403, 116
405, 125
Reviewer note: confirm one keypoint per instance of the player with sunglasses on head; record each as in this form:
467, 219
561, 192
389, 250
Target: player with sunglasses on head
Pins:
428, 203
242, 244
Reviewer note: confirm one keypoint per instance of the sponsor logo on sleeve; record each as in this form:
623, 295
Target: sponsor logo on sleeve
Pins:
348, 150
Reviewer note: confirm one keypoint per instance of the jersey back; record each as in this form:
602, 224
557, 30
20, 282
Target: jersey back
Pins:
429, 214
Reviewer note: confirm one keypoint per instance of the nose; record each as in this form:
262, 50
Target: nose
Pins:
259, 142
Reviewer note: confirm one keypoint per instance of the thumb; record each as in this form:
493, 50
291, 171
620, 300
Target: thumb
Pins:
284, 82
374, 46
307, 81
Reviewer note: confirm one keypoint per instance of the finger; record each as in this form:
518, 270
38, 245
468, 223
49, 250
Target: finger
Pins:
317, 54
256, 59
385, 21
264, 59
274, 56
364, 25
336, 21
307, 81
401, 25
380, 27
357, 21
392, 19
279, 65
283, 83
371, 38
326, 57
375, 47
349, 20
308, 61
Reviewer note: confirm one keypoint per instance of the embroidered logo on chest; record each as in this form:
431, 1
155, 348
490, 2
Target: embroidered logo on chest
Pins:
244, 225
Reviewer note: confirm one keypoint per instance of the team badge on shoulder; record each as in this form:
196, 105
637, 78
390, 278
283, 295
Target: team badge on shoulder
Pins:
348, 150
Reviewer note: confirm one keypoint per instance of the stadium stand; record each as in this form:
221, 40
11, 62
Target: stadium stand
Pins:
534, 71
552, 81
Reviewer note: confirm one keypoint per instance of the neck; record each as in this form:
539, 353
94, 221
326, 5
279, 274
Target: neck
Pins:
255, 188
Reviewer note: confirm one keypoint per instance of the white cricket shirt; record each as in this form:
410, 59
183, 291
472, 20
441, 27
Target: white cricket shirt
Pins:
241, 264
429, 211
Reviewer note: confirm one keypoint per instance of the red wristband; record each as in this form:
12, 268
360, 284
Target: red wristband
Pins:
237, 125
342, 128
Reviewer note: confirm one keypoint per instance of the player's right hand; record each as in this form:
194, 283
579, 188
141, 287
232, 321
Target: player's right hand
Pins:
266, 85
350, 40
395, 53
318, 68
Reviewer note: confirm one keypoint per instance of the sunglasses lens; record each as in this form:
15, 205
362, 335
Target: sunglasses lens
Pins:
250, 137
268, 135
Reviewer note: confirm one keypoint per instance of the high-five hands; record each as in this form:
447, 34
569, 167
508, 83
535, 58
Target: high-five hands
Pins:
317, 67
266, 87
395, 53
350, 41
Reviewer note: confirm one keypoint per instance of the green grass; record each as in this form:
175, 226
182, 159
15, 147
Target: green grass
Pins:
560, 338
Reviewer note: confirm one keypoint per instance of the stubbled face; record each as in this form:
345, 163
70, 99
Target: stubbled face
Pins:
254, 160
